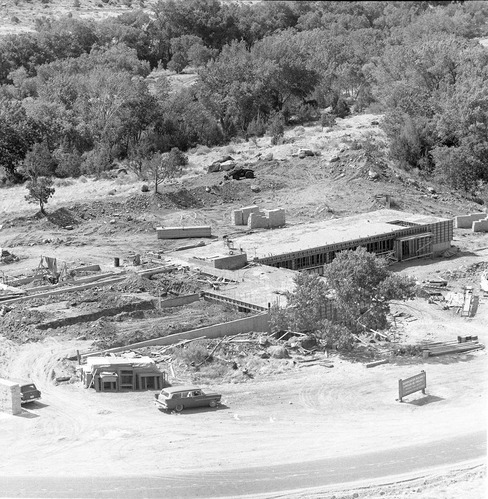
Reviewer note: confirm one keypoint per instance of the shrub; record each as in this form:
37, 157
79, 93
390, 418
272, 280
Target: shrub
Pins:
193, 353
257, 127
327, 120
69, 163
277, 128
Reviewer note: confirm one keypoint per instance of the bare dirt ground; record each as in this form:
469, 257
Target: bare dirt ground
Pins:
285, 413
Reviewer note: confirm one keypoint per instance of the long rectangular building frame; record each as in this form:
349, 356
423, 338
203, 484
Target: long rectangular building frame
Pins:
395, 235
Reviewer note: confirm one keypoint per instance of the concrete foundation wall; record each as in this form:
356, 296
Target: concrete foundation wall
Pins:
466, 221
255, 323
231, 262
10, 397
178, 301
480, 226
182, 232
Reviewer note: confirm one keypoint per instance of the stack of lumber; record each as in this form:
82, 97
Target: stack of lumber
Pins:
447, 347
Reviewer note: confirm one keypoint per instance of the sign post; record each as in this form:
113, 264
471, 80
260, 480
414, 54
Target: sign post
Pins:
411, 385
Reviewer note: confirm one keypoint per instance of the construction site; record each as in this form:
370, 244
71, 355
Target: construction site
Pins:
103, 302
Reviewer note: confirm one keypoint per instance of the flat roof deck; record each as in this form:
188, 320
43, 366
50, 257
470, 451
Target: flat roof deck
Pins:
255, 284
296, 238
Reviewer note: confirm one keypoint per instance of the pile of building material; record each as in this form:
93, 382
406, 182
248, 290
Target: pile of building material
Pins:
183, 232
463, 344
477, 222
255, 218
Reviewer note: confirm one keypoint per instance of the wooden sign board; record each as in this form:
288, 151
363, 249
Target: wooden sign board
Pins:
411, 385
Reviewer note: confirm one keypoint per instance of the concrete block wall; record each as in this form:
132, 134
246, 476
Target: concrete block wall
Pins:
466, 221
480, 226
256, 323
276, 217
231, 262
10, 397
258, 220
246, 212
237, 218
253, 217
182, 232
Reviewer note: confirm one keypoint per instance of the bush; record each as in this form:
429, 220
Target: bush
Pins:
193, 353
69, 163
327, 120
277, 128
257, 127
96, 161
341, 108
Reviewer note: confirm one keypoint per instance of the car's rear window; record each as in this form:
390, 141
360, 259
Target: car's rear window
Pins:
27, 388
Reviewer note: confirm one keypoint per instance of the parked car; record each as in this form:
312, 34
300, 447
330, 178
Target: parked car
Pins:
28, 392
185, 397
239, 173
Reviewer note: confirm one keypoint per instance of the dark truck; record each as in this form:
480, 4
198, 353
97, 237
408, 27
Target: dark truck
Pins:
28, 391
239, 173
178, 398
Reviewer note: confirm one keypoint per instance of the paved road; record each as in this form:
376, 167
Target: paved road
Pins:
259, 480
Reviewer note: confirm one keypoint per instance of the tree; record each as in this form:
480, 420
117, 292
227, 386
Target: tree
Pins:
162, 167
38, 162
353, 296
362, 287
40, 190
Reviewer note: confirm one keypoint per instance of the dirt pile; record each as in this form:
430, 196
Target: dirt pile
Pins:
63, 217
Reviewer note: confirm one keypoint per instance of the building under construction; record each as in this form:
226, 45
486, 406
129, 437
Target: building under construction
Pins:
395, 235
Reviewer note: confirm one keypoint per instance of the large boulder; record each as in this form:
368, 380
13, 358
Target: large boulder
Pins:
227, 165
214, 167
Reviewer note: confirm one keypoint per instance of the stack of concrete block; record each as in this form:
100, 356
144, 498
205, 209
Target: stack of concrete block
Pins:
466, 221
182, 232
253, 217
276, 217
258, 221
231, 262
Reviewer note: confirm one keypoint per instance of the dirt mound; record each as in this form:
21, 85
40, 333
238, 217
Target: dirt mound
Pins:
62, 217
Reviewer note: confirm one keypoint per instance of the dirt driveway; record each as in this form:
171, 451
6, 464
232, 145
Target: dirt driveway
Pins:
303, 415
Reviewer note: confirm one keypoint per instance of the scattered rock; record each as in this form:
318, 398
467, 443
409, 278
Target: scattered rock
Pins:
112, 192
144, 188
373, 175
255, 188
268, 157
334, 159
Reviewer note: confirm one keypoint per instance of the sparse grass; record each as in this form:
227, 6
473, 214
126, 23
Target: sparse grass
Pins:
12, 198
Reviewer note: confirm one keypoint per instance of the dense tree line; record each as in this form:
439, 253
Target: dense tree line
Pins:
78, 89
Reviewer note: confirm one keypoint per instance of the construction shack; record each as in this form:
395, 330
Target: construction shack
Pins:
119, 374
